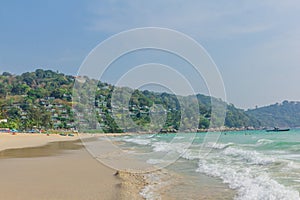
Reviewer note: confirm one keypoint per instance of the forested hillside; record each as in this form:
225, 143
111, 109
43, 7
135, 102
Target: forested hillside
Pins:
285, 114
43, 100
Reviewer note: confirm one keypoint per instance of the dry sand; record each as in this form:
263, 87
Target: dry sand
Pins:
66, 171
21, 140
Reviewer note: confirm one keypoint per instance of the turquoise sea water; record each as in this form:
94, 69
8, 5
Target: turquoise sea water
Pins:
240, 165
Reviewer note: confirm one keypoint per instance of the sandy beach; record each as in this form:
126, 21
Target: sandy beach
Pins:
22, 140
36, 166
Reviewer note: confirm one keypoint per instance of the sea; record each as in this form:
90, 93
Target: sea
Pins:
241, 165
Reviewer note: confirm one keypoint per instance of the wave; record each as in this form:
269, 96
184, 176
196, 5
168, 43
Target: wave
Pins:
156, 183
214, 145
270, 144
227, 149
245, 168
264, 141
250, 184
249, 156
295, 148
138, 141
168, 147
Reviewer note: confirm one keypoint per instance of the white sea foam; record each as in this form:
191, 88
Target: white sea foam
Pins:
218, 145
241, 166
167, 147
174, 151
291, 156
191, 154
264, 141
138, 141
162, 147
293, 165
149, 192
251, 157
249, 183
156, 181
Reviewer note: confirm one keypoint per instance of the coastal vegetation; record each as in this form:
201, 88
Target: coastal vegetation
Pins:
285, 114
43, 99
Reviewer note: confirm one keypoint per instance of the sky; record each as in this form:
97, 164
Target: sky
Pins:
255, 44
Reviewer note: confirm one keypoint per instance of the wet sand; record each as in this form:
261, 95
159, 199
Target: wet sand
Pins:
58, 170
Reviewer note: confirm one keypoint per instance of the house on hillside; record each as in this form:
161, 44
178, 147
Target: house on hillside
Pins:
3, 120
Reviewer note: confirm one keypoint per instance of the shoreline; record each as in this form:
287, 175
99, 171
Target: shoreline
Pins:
58, 167
120, 184
23, 140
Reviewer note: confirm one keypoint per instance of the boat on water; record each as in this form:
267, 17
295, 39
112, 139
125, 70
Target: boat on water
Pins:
276, 129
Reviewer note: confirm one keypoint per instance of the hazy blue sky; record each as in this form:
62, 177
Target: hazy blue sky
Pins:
255, 44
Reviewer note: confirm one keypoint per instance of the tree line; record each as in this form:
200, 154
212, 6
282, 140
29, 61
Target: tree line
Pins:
24, 101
